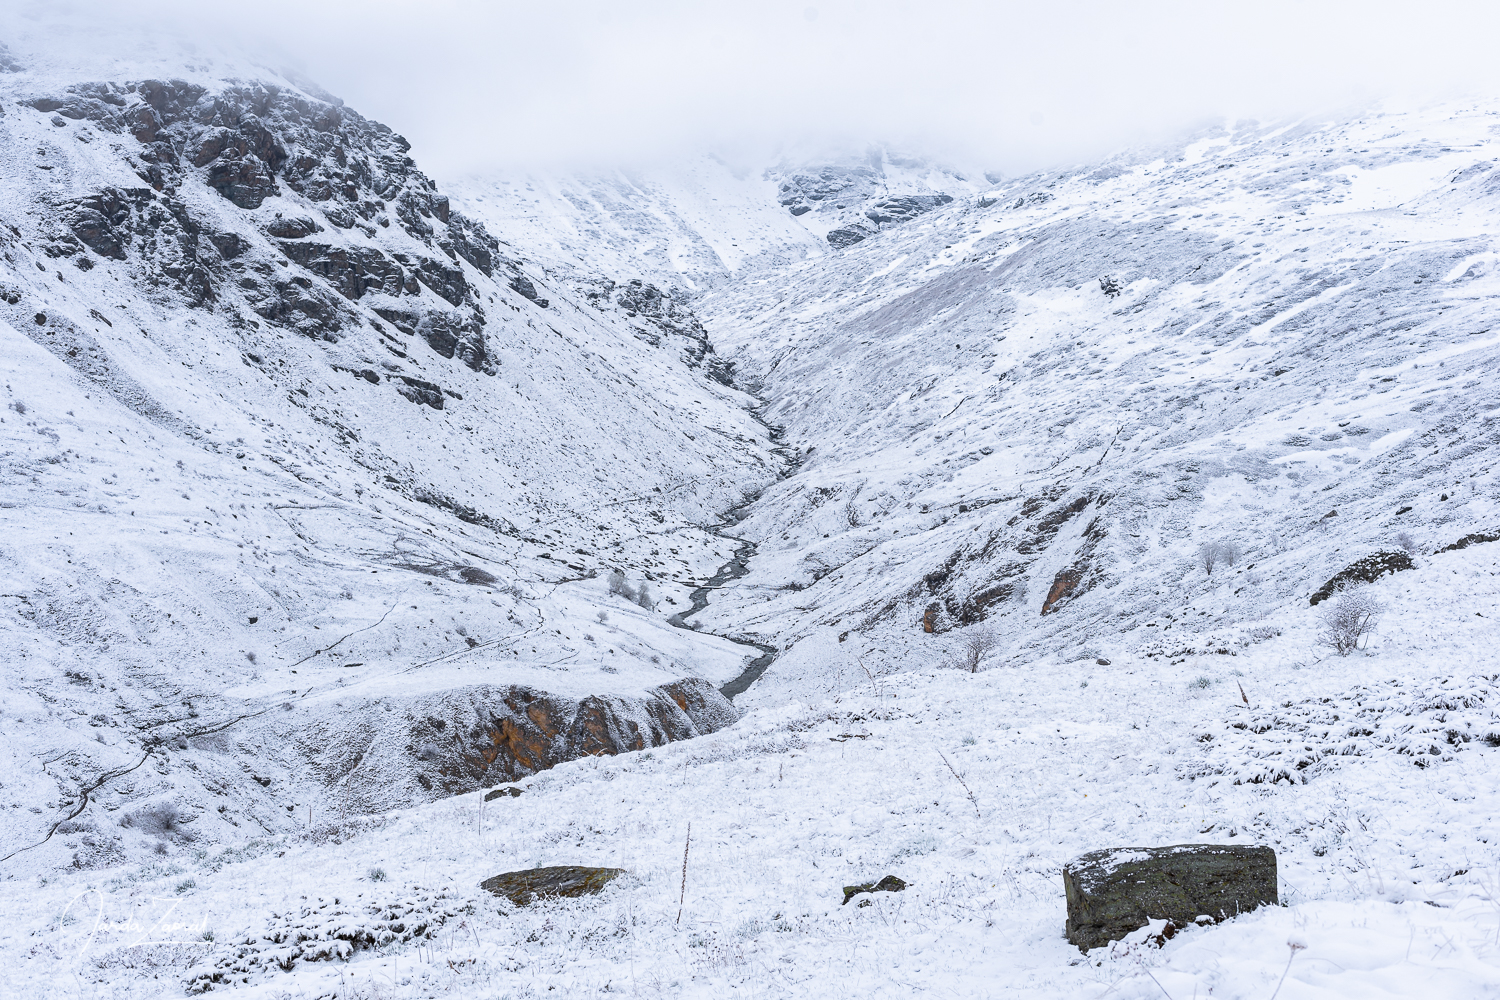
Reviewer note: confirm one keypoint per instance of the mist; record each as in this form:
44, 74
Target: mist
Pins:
480, 86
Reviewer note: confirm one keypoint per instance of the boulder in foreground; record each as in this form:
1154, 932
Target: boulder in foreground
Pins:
560, 880
1113, 892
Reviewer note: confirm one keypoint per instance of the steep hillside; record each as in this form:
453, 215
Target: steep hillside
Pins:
272, 410
1032, 408
690, 227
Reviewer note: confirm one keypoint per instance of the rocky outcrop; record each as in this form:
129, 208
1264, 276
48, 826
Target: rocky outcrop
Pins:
463, 740
558, 881
661, 317
1366, 570
1111, 893
1476, 538
259, 145
888, 884
892, 211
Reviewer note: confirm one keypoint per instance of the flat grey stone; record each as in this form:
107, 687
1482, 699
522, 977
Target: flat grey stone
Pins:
1113, 892
569, 881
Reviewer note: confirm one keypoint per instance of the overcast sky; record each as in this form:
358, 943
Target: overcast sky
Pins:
1011, 86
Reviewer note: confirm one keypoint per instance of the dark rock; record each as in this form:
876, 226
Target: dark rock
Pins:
418, 391
888, 884
352, 271
1366, 570
458, 334
103, 221
1477, 538
500, 793
568, 881
1062, 588
497, 736
663, 315
1111, 893
470, 240
293, 228
477, 576
846, 236
888, 211
522, 285
246, 182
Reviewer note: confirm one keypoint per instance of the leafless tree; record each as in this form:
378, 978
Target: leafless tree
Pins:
619, 586
1347, 624
1224, 551
977, 641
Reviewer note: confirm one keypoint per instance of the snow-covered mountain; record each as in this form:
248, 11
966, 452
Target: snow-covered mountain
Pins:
272, 410
692, 226
277, 401
1032, 407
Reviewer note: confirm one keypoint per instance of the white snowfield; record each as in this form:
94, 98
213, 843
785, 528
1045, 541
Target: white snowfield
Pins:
224, 548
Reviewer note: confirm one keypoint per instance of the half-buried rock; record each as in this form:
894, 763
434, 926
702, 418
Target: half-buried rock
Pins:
1111, 893
571, 881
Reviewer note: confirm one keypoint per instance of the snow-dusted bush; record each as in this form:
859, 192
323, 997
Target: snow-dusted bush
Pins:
1427, 722
619, 586
1348, 623
1406, 543
162, 820
977, 641
1222, 552
643, 598
328, 931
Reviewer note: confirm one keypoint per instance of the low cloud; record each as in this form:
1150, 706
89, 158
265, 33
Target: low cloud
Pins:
476, 84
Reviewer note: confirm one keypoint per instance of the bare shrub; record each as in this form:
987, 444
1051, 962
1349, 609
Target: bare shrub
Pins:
1406, 543
1222, 552
977, 641
162, 820
643, 598
1348, 623
619, 586
851, 513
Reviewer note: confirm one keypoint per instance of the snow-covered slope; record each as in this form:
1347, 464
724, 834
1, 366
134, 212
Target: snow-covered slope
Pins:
271, 411
275, 405
1030, 409
692, 226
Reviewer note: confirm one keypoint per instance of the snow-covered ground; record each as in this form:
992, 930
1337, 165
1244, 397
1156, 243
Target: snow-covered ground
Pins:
237, 496
1388, 869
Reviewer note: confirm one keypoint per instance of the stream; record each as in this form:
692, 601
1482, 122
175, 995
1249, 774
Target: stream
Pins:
737, 566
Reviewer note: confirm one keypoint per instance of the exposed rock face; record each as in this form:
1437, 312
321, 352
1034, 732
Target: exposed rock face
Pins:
567, 881
856, 197
890, 211
847, 236
1366, 570
463, 740
1477, 538
888, 884
259, 143
662, 316
1113, 892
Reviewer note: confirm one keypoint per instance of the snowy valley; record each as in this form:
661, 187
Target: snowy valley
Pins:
756, 529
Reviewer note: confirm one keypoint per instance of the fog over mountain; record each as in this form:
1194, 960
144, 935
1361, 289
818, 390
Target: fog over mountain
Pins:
1010, 87
705, 500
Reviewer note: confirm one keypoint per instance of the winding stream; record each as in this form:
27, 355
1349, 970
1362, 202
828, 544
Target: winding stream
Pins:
737, 566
